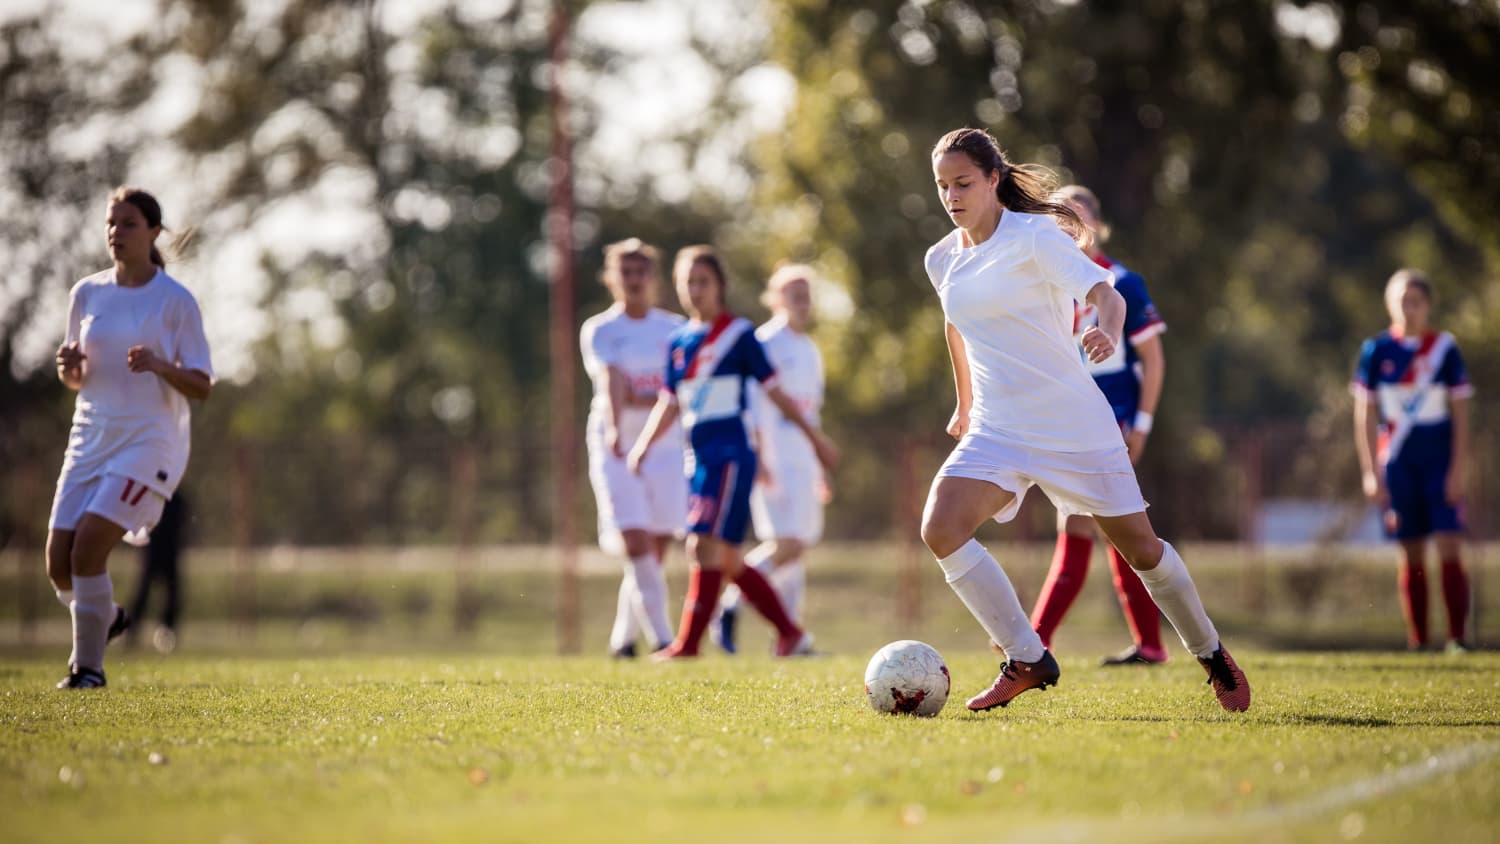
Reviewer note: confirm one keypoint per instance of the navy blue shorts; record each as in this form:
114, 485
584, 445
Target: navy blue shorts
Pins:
1419, 501
719, 498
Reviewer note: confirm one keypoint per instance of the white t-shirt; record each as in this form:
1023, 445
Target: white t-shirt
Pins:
133, 424
638, 348
1011, 298
799, 373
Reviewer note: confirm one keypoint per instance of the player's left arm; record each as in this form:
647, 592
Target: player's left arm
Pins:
828, 453
1453, 488
193, 383
1153, 375
186, 367
1100, 341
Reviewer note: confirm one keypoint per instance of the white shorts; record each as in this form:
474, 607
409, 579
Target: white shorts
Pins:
790, 507
130, 504
1083, 483
655, 501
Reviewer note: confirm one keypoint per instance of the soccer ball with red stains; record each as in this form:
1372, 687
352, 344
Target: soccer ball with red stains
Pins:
907, 678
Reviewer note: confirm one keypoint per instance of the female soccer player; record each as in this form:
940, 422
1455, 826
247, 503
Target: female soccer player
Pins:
1411, 429
710, 360
1131, 381
786, 503
1028, 412
135, 352
623, 348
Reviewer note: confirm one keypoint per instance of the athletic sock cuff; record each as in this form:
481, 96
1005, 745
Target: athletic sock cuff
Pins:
962, 561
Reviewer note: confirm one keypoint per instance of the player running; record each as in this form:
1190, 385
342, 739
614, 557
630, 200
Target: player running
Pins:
1028, 412
623, 348
710, 360
1131, 380
1411, 429
135, 352
786, 503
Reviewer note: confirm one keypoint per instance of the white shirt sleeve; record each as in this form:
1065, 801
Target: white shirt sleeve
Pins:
75, 316
1064, 264
189, 344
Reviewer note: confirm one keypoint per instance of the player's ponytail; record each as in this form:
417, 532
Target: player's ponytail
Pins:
151, 210
1026, 188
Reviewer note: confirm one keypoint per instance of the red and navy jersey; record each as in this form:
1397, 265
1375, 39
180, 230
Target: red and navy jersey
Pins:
1119, 375
707, 366
1412, 380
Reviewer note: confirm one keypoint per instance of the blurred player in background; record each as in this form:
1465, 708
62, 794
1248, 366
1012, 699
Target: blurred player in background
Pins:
136, 353
161, 562
623, 350
1029, 413
786, 504
1411, 429
710, 361
1131, 379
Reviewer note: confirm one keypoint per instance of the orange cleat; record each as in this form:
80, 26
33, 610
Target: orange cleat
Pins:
1230, 685
1016, 677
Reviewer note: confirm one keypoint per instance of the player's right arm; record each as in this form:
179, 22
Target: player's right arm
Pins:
1366, 442
663, 414
70, 354
959, 424
617, 391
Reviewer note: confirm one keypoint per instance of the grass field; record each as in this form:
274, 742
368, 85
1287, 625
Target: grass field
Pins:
1369, 747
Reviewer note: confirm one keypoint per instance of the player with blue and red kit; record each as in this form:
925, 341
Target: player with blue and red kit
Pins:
1411, 420
709, 361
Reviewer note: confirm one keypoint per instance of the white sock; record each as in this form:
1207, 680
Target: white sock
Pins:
759, 559
651, 598
1172, 589
93, 611
790, 581
626, 627
983, 587
64, 597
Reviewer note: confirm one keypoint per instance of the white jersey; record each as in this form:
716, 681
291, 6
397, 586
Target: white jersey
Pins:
799, 373
132, 424
637, 348
1011, 298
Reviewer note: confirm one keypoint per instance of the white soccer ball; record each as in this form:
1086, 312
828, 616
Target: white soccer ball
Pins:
907, 678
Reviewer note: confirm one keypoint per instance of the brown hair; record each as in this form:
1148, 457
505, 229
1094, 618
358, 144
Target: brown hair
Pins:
631, 247
1085, 197
687, 256
151, 210
1410, 278
1026, 188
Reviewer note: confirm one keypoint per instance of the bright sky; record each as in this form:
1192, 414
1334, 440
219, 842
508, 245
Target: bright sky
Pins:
664, 85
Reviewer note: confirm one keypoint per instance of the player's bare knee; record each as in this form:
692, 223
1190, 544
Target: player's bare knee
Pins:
637, 542
787, 550
942, 536
60, 562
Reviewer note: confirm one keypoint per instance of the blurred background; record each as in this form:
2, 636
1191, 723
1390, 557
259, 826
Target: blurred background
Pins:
400, 208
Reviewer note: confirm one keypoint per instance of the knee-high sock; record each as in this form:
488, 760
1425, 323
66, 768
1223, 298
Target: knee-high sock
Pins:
790, 580
1412, 578
93, 610
698, 607
983, 587
1070, 568
1456, 596
1141, 613
651, 598
626, 627
762, 596
759, 559
1172, 588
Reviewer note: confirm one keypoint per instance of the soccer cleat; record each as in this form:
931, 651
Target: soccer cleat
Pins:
1456, 647
626, 651
120, 624
82, 678
723, 631
164, 640
1016, 677
800, 644
672, 653
1230, 685
1133, 655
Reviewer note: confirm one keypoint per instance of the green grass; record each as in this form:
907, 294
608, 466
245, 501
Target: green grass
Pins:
462, 747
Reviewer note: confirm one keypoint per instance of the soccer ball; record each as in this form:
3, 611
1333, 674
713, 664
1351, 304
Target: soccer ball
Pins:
907, 678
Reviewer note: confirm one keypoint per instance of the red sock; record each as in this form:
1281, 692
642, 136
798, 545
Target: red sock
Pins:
1070, 567
697, 608
762, 595
1140, 611
1413, 580
1456, 596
